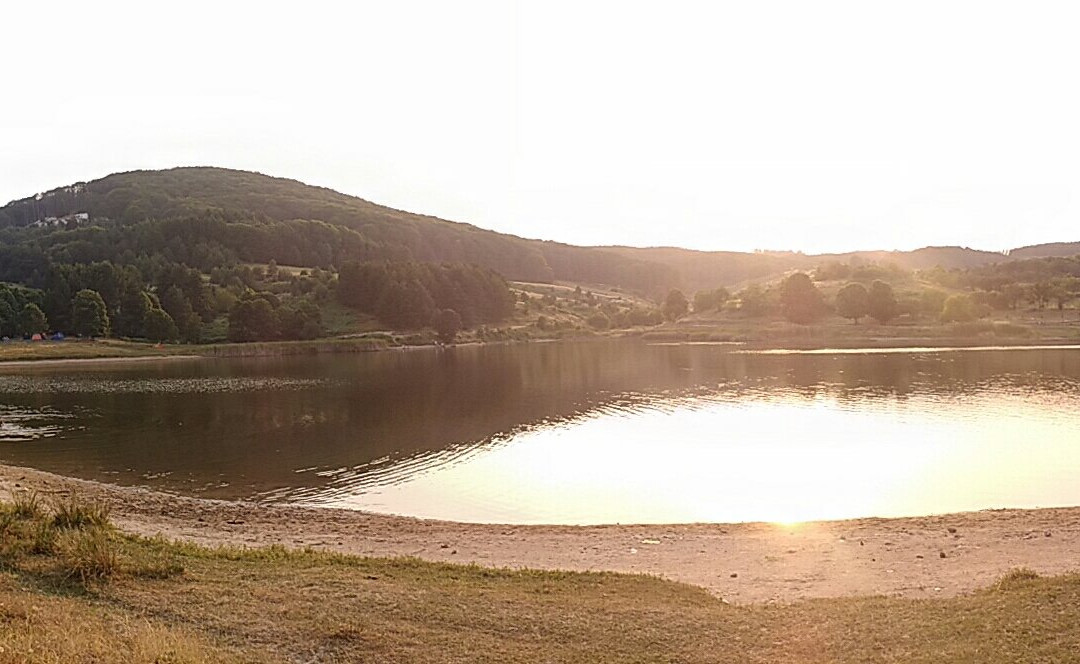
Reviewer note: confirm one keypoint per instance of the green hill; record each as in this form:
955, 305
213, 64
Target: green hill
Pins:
206, 217
212, 216
207, 254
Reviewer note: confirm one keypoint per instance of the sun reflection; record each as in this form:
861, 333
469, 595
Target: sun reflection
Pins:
785, 461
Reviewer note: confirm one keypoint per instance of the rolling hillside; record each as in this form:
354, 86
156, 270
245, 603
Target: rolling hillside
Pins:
210, 216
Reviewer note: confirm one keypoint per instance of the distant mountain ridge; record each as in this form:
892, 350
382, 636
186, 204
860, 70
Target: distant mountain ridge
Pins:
299, 224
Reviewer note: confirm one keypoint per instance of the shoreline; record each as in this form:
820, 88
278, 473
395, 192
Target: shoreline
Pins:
82, 361
136, 352
744, 563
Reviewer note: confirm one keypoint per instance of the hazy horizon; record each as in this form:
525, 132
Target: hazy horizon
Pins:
775, 126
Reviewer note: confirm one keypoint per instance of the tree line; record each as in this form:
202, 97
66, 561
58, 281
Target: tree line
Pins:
166, 301
410, 295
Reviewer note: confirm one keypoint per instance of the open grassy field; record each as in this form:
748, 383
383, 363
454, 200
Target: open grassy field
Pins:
12, 351
72, 588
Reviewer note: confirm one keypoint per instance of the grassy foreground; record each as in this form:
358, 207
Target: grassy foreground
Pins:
73, 589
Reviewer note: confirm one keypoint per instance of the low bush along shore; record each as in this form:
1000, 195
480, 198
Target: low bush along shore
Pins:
75, 589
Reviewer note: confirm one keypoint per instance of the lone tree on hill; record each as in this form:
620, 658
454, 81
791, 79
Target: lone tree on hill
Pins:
89, 317
801, 300
675, 305
882, 302
853, 302
447, 325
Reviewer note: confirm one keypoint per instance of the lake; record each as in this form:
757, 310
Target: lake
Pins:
574, 433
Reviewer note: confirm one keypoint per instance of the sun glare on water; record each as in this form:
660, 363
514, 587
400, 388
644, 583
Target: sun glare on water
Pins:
782, 460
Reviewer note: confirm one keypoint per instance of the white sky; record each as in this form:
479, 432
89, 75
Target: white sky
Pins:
718, 125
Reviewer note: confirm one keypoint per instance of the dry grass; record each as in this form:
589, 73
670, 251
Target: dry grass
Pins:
165, 602
70, 350
27, 505
37, 628
87, 555
72, 512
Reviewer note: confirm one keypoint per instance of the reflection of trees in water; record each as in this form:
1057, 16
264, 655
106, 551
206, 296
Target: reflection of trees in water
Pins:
898, 375
404, 404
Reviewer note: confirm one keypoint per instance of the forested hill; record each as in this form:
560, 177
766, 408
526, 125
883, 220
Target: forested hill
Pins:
212, 217
207, 217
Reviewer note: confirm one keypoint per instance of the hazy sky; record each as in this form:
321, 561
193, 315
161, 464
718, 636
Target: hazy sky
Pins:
718, 125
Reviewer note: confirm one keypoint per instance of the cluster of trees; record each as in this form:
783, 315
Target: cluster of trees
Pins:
1038, 282
157, 299
410, 295
150, 274
611, 310
20, 312
855, 301
168, 305
86, 314
264, 317
676, 305
800, 300
710, 300
864, 272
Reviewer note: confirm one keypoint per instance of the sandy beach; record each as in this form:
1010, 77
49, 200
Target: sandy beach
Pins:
933, 556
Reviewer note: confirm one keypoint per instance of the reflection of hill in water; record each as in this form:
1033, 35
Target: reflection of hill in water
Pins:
254, 423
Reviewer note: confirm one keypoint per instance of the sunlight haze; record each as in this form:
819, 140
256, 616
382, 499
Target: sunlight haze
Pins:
817, 127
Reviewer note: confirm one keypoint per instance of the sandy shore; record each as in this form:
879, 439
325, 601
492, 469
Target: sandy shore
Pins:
742, 563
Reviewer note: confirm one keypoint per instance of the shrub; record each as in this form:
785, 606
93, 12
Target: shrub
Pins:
43, 538
958, 308
87, 554
1016, 578
27, 505
599, 321
73, 513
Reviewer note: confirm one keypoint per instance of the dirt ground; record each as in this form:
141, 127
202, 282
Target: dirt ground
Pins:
742, 563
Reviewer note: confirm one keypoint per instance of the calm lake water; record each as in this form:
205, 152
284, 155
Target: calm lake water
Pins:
599, 432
